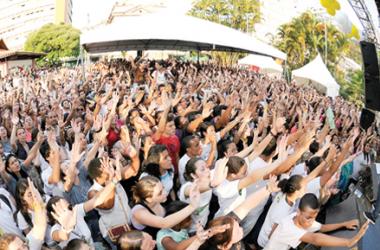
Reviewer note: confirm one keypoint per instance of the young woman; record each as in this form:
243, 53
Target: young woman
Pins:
159, 165
232, 191
283, 204
148, 214
197, 170
231, 238
73, 226
14, 170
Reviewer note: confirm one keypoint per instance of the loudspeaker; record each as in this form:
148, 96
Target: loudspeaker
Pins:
371, 75
367, 117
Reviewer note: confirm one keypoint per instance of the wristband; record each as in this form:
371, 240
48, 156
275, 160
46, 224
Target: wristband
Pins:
97, 131
275, 136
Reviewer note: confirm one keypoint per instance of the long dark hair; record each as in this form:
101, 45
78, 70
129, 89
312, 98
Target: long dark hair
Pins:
7, 162
21, 187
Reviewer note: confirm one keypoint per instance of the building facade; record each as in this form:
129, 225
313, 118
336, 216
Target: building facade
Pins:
18, 18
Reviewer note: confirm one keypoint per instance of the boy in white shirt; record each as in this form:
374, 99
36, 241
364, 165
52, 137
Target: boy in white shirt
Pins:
301, 227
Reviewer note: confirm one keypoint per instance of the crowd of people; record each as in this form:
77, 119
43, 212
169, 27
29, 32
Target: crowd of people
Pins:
144, 154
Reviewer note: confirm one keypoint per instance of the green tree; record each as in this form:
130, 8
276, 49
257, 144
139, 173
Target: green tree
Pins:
352, 88
56, 40
304, 37
238, 14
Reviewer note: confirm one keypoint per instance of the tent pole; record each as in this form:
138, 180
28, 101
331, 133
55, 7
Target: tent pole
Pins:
198, 56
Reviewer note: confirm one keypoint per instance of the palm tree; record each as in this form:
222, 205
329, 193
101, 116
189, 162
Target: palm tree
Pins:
304, 37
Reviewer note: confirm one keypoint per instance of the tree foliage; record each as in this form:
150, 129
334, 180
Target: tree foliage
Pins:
352, 88
238, 14
304, 37
56, 40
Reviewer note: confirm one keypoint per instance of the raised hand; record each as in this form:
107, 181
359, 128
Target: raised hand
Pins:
117, 174
98, 122
195, 196
282, 148
75, 127
37, 201
124, 134
65, 217
207, 109
15, 119
272, 185
220, 173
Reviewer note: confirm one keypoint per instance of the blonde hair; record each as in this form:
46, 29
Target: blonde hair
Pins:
144, 188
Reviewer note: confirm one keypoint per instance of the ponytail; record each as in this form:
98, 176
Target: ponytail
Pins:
291, 185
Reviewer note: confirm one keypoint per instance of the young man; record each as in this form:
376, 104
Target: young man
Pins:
302, 227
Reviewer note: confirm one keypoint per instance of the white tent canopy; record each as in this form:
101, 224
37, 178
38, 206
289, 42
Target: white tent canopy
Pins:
168, 32
316, 73
265, 63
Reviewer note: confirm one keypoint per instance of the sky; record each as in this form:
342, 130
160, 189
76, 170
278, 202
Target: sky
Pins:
92, 12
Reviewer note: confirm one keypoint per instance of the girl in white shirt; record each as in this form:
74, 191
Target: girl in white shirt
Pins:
283, 205
197, 170
63, 231
148, 214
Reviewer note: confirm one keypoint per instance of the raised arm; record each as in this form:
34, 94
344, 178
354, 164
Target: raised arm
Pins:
320, 239
144, 217
350, 225
162, 124
206, 112
34, 150
254, 199
40, 218
301, 148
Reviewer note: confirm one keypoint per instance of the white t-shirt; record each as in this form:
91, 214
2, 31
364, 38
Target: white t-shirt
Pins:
51, 189
23, 225
277, 211
299, 169
33, 243
119, 215
160, 76
80, 231
7, 223
200, 214
255, 213
287, 235
182, 167
314, 186
229, 196
206, 148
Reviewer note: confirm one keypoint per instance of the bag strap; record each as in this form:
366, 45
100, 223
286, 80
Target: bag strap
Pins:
123, 208
6, 201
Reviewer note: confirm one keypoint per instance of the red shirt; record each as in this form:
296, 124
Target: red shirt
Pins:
173, 146
112, 137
